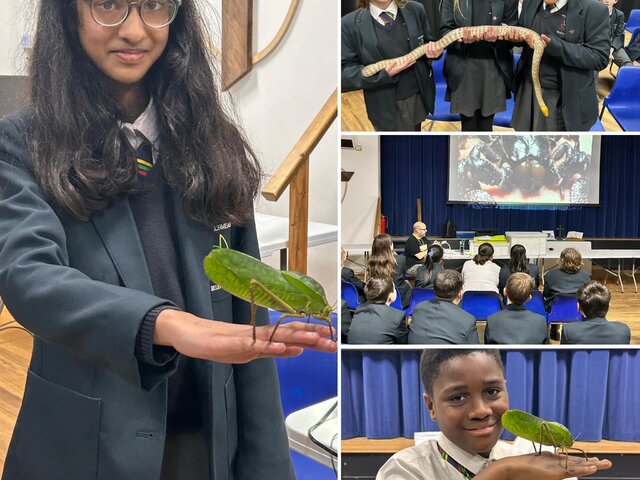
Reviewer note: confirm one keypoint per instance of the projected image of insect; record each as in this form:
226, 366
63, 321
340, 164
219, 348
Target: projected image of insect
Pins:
496, 168
295, 294
537, 430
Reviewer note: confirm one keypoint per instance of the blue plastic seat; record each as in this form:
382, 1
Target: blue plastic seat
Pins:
624, 102
564, 308
597, 127
536, 304
397, 304
481, 304
349, 293
419, 295
634, 20
636, 32
442, 108
503, 119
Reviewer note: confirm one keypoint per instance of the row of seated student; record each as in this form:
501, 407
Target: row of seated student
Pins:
442, 320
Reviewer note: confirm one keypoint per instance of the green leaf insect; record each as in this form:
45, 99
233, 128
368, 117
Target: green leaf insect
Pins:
537, 430
245, 277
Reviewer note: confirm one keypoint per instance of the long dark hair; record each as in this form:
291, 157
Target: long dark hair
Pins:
81, 158
434, 256
518, 261
382, 262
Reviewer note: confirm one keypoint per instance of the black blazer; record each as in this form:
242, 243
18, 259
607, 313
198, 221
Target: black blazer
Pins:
596, 331
583, 50
616, 29
399, 281
360, 48
439, 321
516, 325
633, 49
559, 281
455, 63
349, 276
377, 324
505, 273
421, 275
345, 320
91, 410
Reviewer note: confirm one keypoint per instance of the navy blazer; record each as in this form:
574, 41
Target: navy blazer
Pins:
455, 63
616, 29
583, 50
360, 48
516, 325
505, 273
596, 331
377, 324
559, 281
91, 410
440, 321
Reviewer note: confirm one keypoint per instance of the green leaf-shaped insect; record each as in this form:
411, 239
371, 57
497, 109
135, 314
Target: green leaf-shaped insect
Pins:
245, 277
537, 430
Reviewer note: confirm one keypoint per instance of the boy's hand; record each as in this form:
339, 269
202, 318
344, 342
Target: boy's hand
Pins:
545, 466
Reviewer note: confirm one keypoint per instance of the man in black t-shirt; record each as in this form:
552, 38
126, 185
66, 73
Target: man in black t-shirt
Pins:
416, 248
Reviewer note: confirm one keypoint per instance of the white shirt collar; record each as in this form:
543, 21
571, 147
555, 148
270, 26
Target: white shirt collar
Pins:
558, 5
471, 461
144, 127
392, 8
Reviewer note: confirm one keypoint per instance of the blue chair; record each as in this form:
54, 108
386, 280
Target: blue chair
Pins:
597, 127
397, 304
441, 109
564, 309
349, 293
503, 119
481, 304
419, 295
624, 102
536, 304
634, 20
636, 32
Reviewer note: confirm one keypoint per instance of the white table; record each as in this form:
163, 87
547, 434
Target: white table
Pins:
273, 235
298, 424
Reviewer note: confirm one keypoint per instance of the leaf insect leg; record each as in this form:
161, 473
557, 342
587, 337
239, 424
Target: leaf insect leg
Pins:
555, 444
253, 284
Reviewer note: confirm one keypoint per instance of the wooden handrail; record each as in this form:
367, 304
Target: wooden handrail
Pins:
283, 175
294, 172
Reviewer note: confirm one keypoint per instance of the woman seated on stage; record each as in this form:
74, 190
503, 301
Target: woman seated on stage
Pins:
481, 274
384, 263
427, 273
569, 278
518, 263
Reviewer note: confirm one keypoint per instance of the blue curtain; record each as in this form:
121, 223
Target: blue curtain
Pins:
415, 167
595, 393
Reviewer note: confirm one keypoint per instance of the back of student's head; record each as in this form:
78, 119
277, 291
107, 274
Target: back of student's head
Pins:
448, 284
594, 299
518, 261
382, 261
434, 256
570, 260
378, 289
519, 287
485, 252
432, 361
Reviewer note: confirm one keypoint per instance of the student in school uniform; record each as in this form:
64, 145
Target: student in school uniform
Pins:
480, 273
466, 394
593, 302
568, 278
384, 262
348, 275
427, 273
400, 97
516, 324
617, 53
576, 33
441, 320
633, 49
480, 74
375, 322
518, 262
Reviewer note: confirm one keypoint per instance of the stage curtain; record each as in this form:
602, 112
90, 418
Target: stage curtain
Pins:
594, 393
415, 167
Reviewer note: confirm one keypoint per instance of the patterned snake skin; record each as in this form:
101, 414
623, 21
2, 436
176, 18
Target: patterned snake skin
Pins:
504, 32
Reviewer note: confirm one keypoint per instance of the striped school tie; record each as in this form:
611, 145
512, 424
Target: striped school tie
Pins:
387, 18
144, 158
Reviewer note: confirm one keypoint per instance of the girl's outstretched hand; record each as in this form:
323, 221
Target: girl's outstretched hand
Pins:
233, 343
546, 466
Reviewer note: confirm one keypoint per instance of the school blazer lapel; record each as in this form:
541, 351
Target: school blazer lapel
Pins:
117, 230
575, 22
464, 15
369, 37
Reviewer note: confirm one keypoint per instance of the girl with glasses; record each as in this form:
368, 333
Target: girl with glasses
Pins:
114, 185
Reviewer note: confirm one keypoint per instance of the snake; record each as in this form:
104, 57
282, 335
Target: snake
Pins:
505, 32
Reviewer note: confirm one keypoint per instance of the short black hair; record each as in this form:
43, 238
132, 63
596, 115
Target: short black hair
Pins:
448, 284
594, 299
378, 289
432, 360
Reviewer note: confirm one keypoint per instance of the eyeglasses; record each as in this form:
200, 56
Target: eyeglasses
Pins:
154, 13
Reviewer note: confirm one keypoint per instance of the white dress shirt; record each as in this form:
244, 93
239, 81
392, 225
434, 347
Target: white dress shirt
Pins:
480, 277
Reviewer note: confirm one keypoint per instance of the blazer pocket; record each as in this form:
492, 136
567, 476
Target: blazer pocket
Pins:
232, 420
56, 435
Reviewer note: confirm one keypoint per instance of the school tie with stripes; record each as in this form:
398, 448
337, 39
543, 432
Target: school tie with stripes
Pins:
387, 18
144, 158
